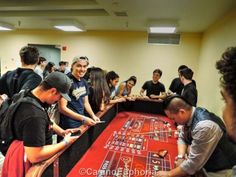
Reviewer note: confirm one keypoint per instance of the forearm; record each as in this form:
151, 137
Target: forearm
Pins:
177, 172
57, 129
68, 112
102, 106
206, 136
89, 109
38, 154
182, 149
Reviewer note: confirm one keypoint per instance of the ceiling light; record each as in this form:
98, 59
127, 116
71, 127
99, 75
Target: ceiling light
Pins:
162, 29
162, 26
67, 28
68, 25
6, 27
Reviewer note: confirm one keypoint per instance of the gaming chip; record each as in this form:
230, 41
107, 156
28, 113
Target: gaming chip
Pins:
140, 140
162, 153
155, 167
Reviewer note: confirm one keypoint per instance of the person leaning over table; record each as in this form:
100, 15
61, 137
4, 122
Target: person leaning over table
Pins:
33, 127
112, 79
204, 135
125, 88
154, 89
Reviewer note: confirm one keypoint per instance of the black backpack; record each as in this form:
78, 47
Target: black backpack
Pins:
7, 111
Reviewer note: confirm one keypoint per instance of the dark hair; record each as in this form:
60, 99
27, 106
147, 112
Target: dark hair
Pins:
62, 63
174, 103
29, 55
41, 60
187, 73
87, 74
111, 75
48, 68
182, 67
158, 71
132, 78
99, 85
227, 67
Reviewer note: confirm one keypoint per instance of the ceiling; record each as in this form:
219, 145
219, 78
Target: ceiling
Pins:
131, 15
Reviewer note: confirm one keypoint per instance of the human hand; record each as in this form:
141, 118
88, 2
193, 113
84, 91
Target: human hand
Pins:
96, 119
89, 121
178, 162
68, 139
122, 99
152, 96
131, 98
69, 130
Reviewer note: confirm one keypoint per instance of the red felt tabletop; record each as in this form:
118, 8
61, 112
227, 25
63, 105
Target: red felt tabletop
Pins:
129, 146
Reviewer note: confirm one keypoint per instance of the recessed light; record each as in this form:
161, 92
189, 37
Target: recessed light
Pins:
162, 29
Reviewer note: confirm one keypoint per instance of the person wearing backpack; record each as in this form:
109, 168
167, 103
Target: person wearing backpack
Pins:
23, 77
33, 128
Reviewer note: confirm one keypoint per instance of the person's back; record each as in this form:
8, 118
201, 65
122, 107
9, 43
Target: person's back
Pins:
176, 85
189, 91
99, 92
24, 77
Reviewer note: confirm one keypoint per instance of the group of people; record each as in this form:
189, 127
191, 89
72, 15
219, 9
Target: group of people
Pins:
205, 143
44, 68
78, 101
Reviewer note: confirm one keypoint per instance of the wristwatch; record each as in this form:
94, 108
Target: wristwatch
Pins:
180, 156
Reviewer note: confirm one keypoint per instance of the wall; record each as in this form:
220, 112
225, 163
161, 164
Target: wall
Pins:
216, 39
125, 52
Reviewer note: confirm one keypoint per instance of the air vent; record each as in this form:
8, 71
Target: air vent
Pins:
163, 38
121, 14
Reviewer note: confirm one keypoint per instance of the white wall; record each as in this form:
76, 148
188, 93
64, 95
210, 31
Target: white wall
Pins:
216, 39
125, 52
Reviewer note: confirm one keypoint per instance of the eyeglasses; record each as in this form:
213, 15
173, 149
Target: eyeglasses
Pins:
83, 58
80, 58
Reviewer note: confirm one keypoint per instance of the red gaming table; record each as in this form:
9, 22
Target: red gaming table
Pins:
129, 143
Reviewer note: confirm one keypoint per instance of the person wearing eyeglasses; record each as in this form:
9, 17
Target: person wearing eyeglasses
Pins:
154, 89
72, 112
204, 135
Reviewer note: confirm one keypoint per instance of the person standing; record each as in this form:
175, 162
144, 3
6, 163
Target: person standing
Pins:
40, 67
99, 93
33, 128
23, 77
72, 112
176, 85
189, 91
